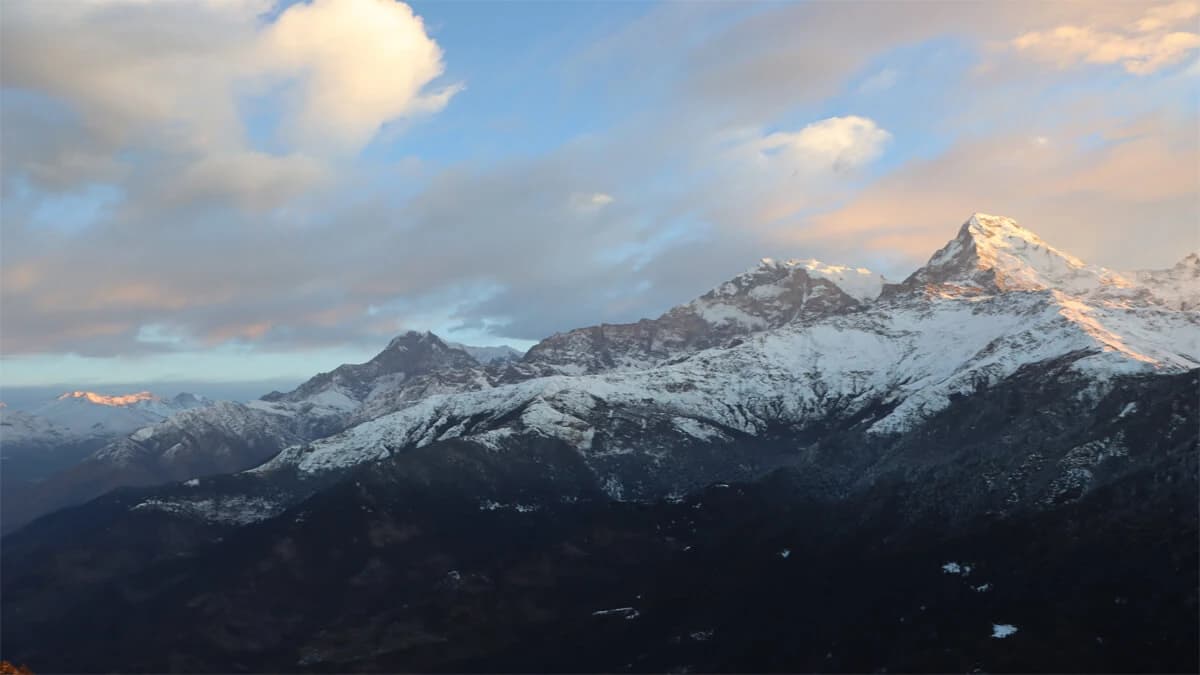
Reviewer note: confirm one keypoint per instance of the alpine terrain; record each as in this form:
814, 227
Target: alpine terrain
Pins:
990, 465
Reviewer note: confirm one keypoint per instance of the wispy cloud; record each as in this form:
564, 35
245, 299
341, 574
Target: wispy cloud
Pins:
1157, 39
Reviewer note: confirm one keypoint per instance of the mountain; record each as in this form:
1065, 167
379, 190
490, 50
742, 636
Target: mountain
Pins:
58, 433
55, 436
489, 355
229, 436
32, 447
89, 414
415, 366
770, 295
1177, 287
978, 313
857, 474
17, 426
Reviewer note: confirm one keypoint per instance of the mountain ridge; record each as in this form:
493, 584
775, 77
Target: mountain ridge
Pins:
783, 343
1007, 430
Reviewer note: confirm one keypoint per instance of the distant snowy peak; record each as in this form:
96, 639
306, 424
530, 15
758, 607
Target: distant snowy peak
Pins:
859, 283
1177, 287
88, 413
993, 254
489, 355
115, 401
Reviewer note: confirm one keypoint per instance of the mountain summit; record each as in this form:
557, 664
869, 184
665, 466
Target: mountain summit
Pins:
993, 254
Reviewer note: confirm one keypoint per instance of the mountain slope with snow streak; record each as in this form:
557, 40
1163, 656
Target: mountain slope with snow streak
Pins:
909, 356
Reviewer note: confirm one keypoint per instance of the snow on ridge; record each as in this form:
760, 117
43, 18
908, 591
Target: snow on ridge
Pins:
918, 357
1026, 261
859, 283
488, 354
1177, 287
89, 414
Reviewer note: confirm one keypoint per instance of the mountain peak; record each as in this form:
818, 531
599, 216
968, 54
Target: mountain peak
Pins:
993, 254
113, 401
412, 338
859, 283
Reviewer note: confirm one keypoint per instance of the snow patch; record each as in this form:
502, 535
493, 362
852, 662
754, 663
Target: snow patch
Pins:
956, 568
1003, 630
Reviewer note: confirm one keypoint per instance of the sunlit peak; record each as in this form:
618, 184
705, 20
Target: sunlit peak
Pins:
101, 399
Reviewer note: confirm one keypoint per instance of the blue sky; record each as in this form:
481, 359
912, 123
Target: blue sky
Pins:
232, 192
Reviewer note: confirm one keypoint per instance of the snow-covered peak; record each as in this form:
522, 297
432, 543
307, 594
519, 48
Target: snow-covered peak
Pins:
859, 283
1177, 287
88, 413
102, 399
408, 339
994, 254
393, 371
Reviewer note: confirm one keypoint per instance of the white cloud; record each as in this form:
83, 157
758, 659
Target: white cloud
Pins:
362, 62
836, 143
1147, 45
166, 77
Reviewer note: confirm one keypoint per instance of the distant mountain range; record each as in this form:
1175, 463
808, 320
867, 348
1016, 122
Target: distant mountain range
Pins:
1006, 391
87, 413
56, 434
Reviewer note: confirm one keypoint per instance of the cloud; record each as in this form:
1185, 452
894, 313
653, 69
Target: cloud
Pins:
166, 84
1147, 45
253, 180
362, 63
835, 143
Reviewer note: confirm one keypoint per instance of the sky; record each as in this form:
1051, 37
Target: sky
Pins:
226, 191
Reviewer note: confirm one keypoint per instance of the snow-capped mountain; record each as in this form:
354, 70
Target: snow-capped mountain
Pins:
780, 351
82, 415
1006, 404
1177, 287
412, 366
229, 436
90, 413
489, 355
769, 295
994, 301
37, 445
